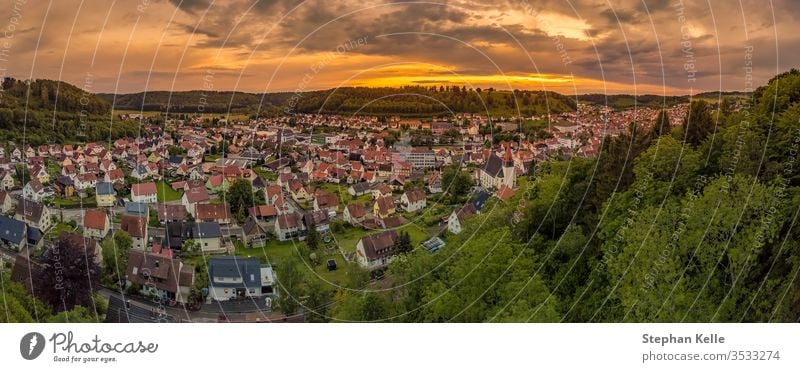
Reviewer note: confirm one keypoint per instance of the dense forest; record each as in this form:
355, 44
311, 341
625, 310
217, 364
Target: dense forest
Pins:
405, 101
198, 101
428, 101
628, 101
45, 111
685, 222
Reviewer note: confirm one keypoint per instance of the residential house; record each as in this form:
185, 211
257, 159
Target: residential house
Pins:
13, 233
159, 274
136, 227
233, 277
298, 191
38, 172
217, 183
6, 202
361, 188
194, 196
377, 250
33, 190
354, 214
207, 212
383, 207
95, 223
64, 186
34, 214
317, 220
105, 194
171, 212
144, 192
327, 202
263, 212
289, 226
6, 180
207, 234
413, 200
455, 223
381, 191
254, 234
136, 209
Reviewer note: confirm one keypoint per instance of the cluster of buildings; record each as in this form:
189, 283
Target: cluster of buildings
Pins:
309, 170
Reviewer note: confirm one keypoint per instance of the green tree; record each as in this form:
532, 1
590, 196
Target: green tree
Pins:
662, 125
312, 238
240, 197
698, 123
456, 183
290, 281
403, 243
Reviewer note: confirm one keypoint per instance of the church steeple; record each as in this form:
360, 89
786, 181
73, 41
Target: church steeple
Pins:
508, 161
509, 171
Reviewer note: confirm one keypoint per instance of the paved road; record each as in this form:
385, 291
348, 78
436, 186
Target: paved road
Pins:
208, 312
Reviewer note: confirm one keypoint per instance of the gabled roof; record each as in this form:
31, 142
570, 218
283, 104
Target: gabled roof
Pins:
251, 226
134, 226
197, 195
262, 211
141, 189
493, 166
203, 230
105, 188
414, 196
212, 212
171, 212
30, 210
12, 230
356, 210
385, 203
95, 219
379, 245
248, 269
144, 266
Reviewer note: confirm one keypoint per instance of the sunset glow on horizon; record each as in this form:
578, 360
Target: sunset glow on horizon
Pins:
622, 47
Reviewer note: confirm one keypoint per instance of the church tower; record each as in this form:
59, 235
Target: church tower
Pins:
509, 171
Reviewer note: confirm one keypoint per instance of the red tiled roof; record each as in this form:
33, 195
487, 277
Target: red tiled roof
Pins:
140, 189
95, 219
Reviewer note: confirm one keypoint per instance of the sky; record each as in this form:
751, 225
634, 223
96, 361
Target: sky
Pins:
569, 46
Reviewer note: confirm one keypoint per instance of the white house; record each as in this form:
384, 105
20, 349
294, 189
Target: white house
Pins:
144, 193
233, 277
377, 250
194, 196
455, 223
33, 190
95, 224
289, 226
413, 200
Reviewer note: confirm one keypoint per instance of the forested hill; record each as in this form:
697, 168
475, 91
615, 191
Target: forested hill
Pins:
406, 101
628, 101
197, 101
45, 111
417, 100
44, 94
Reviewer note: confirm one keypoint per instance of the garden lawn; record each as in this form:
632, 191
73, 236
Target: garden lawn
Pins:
74, 202
166, 193
274, 252
348, 239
